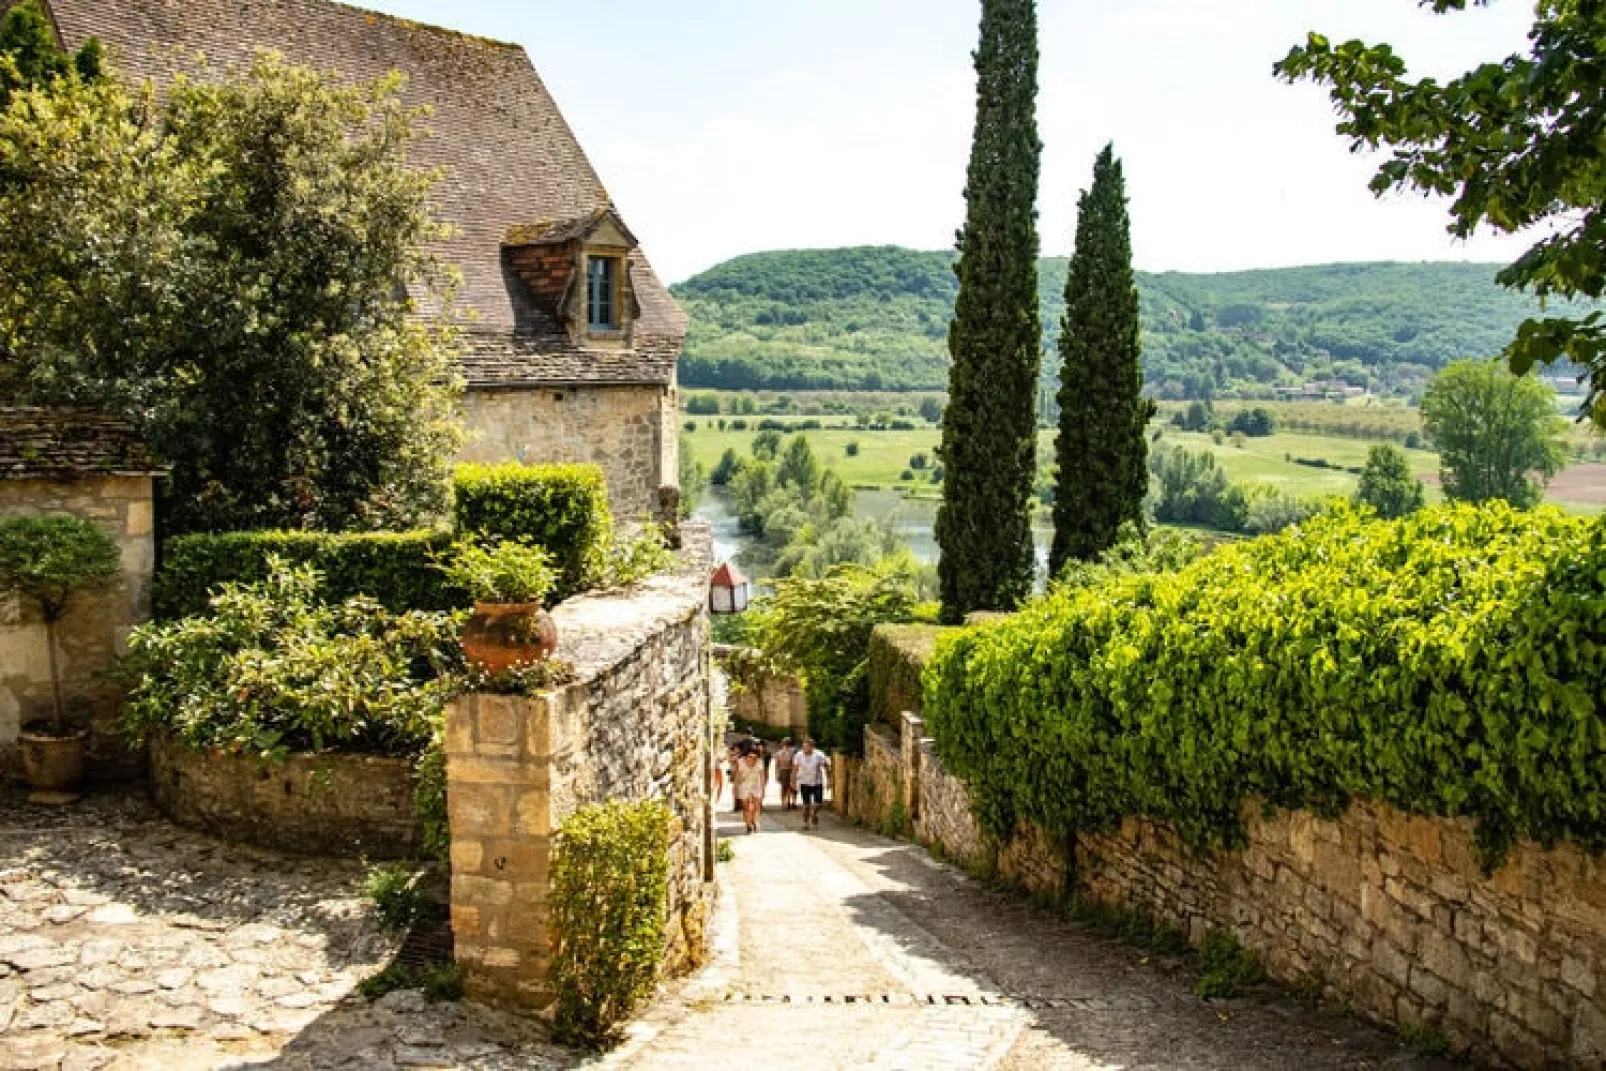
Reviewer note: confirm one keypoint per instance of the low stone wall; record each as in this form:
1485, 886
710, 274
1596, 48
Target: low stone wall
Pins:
636, 725
874, 792
762, 698
341, 805
1391, 913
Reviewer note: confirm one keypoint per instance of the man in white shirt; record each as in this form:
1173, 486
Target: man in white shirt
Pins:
808, 767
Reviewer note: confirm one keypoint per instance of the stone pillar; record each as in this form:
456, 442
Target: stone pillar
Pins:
912, 735
498, 752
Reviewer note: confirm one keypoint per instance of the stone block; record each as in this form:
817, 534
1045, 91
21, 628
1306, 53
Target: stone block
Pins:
466, 855
479, 810
481, 892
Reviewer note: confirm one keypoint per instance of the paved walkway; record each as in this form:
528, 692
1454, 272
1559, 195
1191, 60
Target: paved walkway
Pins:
838, 948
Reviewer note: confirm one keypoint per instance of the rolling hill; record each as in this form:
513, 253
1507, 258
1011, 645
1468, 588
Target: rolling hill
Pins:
876, 318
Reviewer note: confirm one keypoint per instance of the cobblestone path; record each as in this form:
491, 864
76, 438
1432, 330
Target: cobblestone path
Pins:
842, 949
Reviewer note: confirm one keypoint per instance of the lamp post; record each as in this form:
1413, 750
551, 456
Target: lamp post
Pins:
727, 591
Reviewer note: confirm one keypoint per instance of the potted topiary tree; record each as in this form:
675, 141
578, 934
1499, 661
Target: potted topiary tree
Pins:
508, 581
44, 561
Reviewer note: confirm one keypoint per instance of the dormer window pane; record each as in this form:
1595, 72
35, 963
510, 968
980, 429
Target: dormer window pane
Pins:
602, 288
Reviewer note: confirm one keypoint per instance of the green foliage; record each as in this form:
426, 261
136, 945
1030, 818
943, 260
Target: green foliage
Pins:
897, 657
563, 508
1514, 142
234, 270
693, 480
439, 981
1387, 485
272, 669
1157, 550
702, 404
1102, 473
45, 560
832, 319
629, 561
1127, 924
724, 852
31, 58
398, 898
1493, 429
1191, 486
1449, 663
505, 571
820, 629
984, 526
610, 888
429, 800
725, 470
1226, 966
1257, 421
400, 570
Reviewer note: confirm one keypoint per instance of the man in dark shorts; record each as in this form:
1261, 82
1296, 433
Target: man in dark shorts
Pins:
808, 767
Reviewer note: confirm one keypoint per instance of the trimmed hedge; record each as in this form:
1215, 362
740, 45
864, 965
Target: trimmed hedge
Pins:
610, 895
395, 568
563, 508
1450, 663
898, 654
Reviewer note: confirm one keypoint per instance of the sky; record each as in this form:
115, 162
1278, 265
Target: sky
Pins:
724, 127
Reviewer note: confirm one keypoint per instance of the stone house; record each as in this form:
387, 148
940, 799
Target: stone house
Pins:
89, 465
571, 340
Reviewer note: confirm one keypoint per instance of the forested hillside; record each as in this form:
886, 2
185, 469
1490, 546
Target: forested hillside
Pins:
877, 318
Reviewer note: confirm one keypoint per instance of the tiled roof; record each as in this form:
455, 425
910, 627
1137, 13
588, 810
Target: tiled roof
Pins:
508, 157
67, 444
498, 359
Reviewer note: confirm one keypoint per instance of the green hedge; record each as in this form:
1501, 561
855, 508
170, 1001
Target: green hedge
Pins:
610, 893
1449, 663
564, 508
396, 568
898, 654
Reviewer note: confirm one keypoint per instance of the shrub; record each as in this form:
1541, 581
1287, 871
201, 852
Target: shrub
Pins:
563, 508
397, 569
1387, 484
401, 904
505, 572
632, 560
272, 669
1257, 422
702, 404
46, 560
690, 425
918, 462
1413, 661
853, 449
726, 468
610, 888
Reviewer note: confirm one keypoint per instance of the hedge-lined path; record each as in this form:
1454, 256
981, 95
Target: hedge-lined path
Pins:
843, 949
127, 942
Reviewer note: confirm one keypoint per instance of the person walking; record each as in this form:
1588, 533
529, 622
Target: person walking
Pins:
783, 773
733, 759
750, 778
808, 767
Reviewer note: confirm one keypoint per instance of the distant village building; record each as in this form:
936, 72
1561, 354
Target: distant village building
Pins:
573, 341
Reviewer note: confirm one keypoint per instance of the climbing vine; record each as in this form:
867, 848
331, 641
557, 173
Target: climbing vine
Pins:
1449, 663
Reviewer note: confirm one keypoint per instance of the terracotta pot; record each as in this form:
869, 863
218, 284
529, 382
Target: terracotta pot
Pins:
53, 763
502, 635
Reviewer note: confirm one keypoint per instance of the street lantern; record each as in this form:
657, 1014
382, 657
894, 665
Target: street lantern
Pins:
727, 592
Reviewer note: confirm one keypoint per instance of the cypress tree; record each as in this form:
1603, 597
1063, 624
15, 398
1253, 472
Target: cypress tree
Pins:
988, 430
1101, 448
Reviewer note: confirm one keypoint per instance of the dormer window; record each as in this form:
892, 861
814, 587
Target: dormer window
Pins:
602, 293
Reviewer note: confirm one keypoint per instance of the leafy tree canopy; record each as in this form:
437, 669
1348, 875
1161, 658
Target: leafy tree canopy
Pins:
1387, 484
30, 56
1495, 432
231, 271
1516, 142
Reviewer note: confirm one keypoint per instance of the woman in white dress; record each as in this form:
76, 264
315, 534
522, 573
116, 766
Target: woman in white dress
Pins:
749, 786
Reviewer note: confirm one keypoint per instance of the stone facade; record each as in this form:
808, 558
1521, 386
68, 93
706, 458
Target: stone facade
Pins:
96, 626
630, 432
1390, 913
763, 698
637, 724
358, 806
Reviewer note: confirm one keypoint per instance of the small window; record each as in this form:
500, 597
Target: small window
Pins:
602, 293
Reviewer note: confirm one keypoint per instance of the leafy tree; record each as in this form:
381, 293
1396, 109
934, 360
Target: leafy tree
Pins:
223, 271
766, 445
46, 561
1515, 142
799, 467
984, 525
1387, 484
1257, 422
1494, 430
1101, 450
1191, 486
693, 480
726, 468
31, 58
931, 410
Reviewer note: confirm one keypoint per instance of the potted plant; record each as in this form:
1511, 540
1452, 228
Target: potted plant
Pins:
44, 561
508, 581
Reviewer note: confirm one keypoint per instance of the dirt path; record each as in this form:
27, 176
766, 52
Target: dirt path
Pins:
842, 949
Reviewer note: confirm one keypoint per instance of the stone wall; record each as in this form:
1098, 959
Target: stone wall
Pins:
762, 698
874, 789
630, 431
636, 725
341, 805
96, 626
1390, 913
